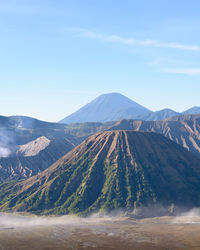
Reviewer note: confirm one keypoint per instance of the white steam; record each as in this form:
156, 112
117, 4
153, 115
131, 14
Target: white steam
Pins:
190, 217
4, 151
6, 141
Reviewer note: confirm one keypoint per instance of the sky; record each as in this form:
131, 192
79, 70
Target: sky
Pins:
56, 56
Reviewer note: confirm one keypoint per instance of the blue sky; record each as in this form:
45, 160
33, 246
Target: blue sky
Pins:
56, 56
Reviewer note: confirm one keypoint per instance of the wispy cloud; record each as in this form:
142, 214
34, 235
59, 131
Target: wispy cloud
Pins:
184, 71
133, 41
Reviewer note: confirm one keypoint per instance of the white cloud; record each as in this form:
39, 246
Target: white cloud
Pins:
186, 71
133, 41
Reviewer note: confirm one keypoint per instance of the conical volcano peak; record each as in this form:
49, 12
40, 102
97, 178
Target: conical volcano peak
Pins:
107, 107
111, 170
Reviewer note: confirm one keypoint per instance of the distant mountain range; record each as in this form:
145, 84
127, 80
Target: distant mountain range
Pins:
111, 170
114, 107
182, 129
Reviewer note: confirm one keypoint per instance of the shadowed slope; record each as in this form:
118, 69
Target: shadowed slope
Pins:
110, 170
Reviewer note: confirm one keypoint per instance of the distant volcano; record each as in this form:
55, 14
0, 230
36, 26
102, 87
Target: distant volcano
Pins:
108, 107
110, 170
115, 106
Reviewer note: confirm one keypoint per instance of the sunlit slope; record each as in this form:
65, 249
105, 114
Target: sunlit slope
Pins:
110, 170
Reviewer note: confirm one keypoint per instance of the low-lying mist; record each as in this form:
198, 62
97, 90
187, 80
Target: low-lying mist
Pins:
190, 217
14, 220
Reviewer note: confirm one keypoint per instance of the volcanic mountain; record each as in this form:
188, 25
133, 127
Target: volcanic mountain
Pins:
108, 107
33, 157
114, 107
110, 170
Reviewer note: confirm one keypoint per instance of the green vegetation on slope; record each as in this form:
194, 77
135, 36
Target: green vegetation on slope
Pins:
110, 170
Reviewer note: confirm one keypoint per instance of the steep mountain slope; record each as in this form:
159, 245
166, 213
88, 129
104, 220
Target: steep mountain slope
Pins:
192, 111
29, 159
107, 107
185, 132
110, 170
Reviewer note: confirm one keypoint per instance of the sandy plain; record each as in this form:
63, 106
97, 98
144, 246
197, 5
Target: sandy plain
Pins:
99, 233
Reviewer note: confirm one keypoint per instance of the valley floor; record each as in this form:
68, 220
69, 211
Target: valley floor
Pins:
108, 233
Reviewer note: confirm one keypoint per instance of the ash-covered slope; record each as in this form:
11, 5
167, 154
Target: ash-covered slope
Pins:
31, 158
110, 170
34, 147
